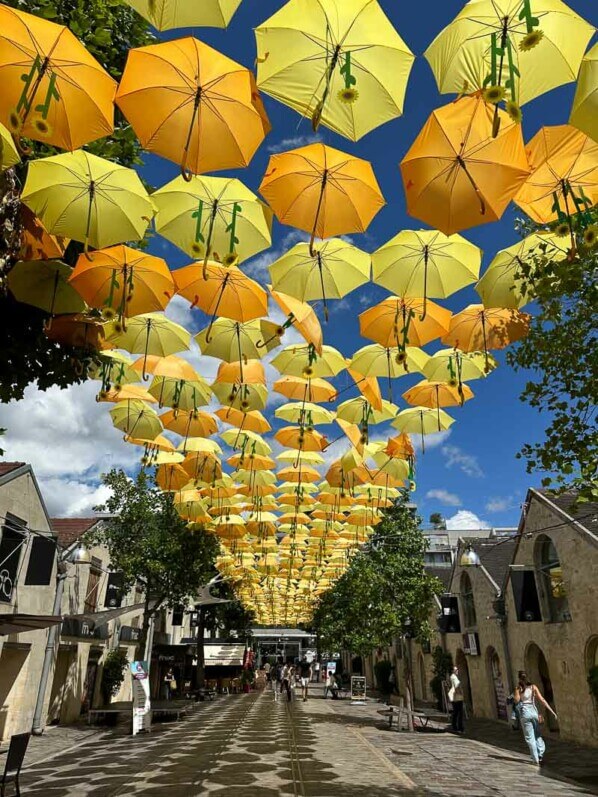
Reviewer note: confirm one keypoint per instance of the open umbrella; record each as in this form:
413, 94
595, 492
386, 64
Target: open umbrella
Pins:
123, 281
9, 155
180, 393
422, 263
322, 191
241, 395
172, 366
194, 423
168, 14
456, 174
456, 367
254, 420
88, 199
301, 316
389, 362
436, 394
136, 418
234, 341
334, 269
336, 61
113, 369
400, 322
45, 284
304, 361
53, 89
208, 215
301, 389
477, 328
78, 330
301, 439
304, 413
422, 421
584, 113
192, 105
151, 333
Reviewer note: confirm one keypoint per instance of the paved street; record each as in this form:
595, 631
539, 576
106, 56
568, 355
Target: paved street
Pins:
252, 746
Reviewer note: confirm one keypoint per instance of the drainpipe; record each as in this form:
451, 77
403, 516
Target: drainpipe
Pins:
501, 618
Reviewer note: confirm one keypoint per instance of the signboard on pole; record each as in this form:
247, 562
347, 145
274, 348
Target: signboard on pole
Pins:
142, 712
358, 689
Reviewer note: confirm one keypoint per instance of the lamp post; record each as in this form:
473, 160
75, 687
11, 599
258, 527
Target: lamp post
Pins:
79, 556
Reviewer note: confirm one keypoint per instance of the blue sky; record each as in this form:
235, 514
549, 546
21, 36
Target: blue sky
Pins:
474, 469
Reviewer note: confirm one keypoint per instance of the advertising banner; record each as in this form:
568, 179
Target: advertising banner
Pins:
142, 712
358, 688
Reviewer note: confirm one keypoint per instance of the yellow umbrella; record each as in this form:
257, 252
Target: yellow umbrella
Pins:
192, 105
338, 61
151, 333
584, 113
44, 284
304, 413
88, 199
240, 395
301, 316
234, 341
9, 155
322, 190
304, 361
213, 215
456, 367
422, 421
168, 14
180, 393
422, 263
301, 439
172, 366
114, 369
331, 271
246, 441
137, 418
478, 328
525, 48
53, 89
502, 285
254, 421
360, 411
391, 362
189, 424
125, 392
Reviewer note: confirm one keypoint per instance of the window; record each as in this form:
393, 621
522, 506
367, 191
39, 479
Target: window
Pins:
93, 586
525, 596
467, 602
552, 586
41, 561
11, 544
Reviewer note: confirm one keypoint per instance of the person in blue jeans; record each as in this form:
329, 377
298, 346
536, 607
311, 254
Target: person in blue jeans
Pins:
525, 696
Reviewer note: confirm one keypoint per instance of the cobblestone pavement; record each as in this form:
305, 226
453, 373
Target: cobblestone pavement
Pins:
253, 746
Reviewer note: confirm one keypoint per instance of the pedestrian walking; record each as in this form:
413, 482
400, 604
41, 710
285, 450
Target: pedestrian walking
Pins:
305, 675
288, 674
526, 694
317, 672
331, 686
268, 674
455, 695
277, 684
169, 684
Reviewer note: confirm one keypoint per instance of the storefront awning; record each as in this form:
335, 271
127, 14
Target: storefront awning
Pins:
19, 623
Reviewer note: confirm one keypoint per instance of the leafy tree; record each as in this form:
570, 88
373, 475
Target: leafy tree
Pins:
151, 545
562, 350
109, 29
437, 520
113, 673
442, 667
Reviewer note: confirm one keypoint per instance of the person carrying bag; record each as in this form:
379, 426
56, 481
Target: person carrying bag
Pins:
525, 697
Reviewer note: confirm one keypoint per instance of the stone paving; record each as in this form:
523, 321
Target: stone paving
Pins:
253, 746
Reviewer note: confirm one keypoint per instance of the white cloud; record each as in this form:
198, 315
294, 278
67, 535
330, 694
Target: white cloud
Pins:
257, 267
432, 440
294, 142
498, 504
469, 464
70, 498
464, 519
450, 499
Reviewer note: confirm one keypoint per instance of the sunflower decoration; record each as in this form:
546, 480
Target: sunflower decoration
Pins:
531, 40
231, 259
590, 236
562, 229
42, 127
514, 110
108, 313
14, 122
494, 94
198, 250
308, 371
348, 95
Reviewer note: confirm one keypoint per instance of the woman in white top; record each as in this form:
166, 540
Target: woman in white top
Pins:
455, 696
525, 697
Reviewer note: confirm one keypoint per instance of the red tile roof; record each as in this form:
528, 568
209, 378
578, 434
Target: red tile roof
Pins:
70, 529
7, 467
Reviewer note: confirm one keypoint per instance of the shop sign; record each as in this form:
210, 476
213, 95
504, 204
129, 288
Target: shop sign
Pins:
358, 688
142, 712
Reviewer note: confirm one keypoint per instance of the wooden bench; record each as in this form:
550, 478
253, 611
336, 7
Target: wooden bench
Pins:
201, 694
423, 717
174, 711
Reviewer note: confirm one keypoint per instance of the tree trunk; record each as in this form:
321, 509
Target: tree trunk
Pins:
408, 684
201, 661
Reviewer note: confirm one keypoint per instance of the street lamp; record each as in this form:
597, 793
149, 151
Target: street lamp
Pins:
469, 558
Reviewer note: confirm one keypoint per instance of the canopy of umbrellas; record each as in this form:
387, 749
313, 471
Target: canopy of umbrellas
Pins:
287, 526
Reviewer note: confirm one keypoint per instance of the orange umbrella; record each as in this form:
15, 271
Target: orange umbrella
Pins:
252, 373
303, 473
300, 315
194, 423
301, 439
337, 477
126, 392
322, 190
53, 89
79, 331
564, 176
253, 421
401, 322
368, 386
192, 105
170, 366
171, 477
123, 281
251, 461
436, 394
299, 389
456, 175
478, 328
36, 242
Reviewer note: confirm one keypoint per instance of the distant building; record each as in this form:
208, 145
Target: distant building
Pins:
443, 543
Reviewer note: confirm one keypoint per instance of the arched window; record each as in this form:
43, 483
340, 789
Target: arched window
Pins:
552, 586
467, 602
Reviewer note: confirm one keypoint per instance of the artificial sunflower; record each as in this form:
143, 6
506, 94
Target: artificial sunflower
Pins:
308, 371
15, 123
531, 40
41, 126
562, 229
108, 314
197, 249
590, 236
230, 260
514, 110
348, 95
494, 94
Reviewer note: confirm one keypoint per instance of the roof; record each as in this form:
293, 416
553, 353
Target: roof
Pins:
586, 514
496, 555
8, 467
70, 529
443, 574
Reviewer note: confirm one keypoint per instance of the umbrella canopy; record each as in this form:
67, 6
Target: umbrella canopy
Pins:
172, 366
304, 361
584, 113
436, 394
501, 284
252, 372
125, 392
9, 155
79, 331
226, 291
208, 215
340, 62
322, 191
422, 421
114, 369
422, 263
180, 393
123, 280
301, 316
539, 46
192, 105
53, 89
477, 328
564, 175
456, 367
334, 269
246, 441
45, 284
304, 413
88, 199
301, 439
151, 333
241, 396
456, 174
168, 14
36, 241
360, 411
300, 389
171, 477
233, 341
254, 421
398, 322
189, 424
389, 362
136, 418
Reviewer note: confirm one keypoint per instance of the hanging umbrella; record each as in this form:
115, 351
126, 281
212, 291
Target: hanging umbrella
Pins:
171, 366
477, 328
134, 417
334, 269
246, 441
564, 176
113, 369
252, 372
359, 411
53, 89
124, 392
456, 367
304, 361
304, 413
299, 389
336, 61
322, 191
584, 113
422, 263
251, 461
456, 174
254, 421
304, 473
171, 477
233, 341
123, 281
79, 331
241, 396
168, 14
45, 284
88, 199
301, 316
367, 385
436, 394
399, 322
301, 439
501, 284
9, 155
524, 48
180, 393
36, 241
192, 105
209, 215
151, 333
422, 421
194, 423
389, 362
